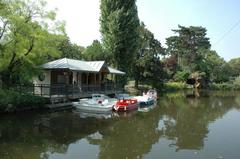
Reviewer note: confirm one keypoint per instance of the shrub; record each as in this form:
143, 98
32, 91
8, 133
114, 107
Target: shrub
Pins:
181, 76
14, 101
224, 86
237, 81
175, 85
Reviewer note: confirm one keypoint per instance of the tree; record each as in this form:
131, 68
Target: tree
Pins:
186, 46
96, 52
26, 38
215, 67
235, 67
147, 66
70, 50
119, 27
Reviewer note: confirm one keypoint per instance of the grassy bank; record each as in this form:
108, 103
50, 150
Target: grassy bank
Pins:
11, 101
132, 90
167, 87
224, 86
175, 86
232, 85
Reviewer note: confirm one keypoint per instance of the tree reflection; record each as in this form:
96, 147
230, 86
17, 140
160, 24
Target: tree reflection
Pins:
130, 137
183, 118
35, 135
187, 118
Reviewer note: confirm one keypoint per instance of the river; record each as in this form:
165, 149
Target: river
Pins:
183, 125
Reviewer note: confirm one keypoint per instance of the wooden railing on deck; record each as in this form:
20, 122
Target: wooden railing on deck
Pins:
68, 91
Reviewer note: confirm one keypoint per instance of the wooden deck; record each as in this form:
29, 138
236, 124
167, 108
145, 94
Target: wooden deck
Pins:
64, 93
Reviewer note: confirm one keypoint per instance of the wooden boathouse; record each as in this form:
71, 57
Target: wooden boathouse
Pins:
71, 79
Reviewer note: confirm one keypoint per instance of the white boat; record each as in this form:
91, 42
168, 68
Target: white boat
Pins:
98, 103
147, 99
152, 93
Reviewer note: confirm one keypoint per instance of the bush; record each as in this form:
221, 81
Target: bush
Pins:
181, 76
14, 101
224, 86
175, 86
237, 81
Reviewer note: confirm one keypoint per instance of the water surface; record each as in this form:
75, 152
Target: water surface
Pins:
183, 125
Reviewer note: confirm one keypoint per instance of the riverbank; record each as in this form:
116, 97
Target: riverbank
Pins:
224, 86
12, 101
167, 87
177, 86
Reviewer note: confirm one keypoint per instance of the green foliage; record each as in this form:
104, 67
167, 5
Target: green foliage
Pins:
147, 66
181, 76
69, 50
119, 27
224, 86
28, 37
171, 86
198, 75
235, 85
14, 101
237, 81
234, 67
190, 50
215, 67
186, 46
95, 52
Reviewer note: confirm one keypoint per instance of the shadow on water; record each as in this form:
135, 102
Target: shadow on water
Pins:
181, 117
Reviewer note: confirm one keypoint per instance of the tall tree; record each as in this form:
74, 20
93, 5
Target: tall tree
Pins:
187, 44
119, 27
147, 66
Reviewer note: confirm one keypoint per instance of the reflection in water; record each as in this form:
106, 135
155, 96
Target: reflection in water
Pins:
101, 115
181, 121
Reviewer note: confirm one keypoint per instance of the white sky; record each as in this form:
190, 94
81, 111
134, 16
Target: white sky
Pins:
160, 17
82, 19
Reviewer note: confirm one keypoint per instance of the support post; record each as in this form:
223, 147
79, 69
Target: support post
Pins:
41, 89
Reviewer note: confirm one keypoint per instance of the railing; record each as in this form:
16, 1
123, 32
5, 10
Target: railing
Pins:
67, 91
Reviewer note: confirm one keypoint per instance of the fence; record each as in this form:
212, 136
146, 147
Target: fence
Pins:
67, 91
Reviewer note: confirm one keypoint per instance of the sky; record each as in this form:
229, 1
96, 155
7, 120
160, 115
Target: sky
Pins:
221, 18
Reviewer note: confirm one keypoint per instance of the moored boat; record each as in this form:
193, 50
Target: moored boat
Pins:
147, 99
146, 108
98, 103
152, 93
124, 105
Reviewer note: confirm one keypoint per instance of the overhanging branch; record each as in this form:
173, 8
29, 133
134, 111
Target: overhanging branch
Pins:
18, 62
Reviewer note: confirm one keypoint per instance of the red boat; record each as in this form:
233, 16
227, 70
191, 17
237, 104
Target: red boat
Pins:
124, 105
